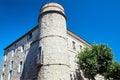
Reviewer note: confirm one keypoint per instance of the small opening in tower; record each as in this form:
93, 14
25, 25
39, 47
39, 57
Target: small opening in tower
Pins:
30, 35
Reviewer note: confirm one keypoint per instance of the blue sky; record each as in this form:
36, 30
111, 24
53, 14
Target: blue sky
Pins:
94, 20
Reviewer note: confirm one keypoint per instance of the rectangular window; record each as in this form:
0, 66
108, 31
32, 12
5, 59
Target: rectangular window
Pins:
11, 65
4, 66
7, 50
13, 53
75, 77
2, 76
20, 66
5, 57
71, 77
73, 44
10, 75
40, 56
22, 48
80, 47
30, 36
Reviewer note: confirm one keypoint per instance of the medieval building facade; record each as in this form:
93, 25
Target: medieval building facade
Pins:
47, 52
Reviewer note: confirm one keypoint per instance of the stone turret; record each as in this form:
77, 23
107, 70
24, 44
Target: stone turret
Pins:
53, 43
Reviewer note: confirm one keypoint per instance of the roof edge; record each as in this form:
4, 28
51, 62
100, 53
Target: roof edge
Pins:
22, 37
78, 38
68, 32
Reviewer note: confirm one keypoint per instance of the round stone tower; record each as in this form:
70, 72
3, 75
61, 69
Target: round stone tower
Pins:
53, 43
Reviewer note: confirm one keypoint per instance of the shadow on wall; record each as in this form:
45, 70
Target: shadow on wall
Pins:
30, 68
78, 75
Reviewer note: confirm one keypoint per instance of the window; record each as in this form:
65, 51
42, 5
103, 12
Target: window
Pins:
4, 66
11, 65
5, 57
10, 75
40, 56
2, 76
73, 44
7, 50
13, 53
30, 36
22, 48
80, 47
39, 53
20, 66
75, 77
71, 77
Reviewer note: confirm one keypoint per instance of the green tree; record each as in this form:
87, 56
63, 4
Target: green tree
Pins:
104, 57
113, 71
87, 63
95, 60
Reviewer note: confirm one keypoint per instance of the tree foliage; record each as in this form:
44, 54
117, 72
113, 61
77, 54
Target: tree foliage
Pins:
113, 71
104, 57
95, 60
87, 63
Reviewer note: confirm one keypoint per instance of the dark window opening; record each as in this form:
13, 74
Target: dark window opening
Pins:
12, 64
40, 56
80, 47
20, 66
30, 35
73, 44
23, 47
10, 75
71, 77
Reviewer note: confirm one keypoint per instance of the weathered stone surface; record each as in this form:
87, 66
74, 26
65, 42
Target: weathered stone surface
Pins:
54, 44
58, 58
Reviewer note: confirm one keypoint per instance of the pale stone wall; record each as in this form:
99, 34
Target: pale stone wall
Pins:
14, 53
79, 46
53, 41
59, 56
